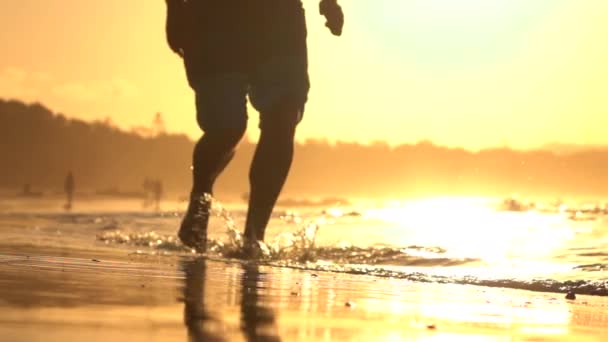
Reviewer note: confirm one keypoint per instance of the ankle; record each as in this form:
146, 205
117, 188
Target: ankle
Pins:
200, 195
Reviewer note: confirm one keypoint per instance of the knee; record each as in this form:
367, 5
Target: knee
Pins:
223, 126
280, 124
223, 117
226, 137
223, 130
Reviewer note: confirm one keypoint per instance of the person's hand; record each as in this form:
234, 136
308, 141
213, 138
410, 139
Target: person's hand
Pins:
333, 14
175, 26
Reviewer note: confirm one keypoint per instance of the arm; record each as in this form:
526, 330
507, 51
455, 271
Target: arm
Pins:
175, 26
333, 14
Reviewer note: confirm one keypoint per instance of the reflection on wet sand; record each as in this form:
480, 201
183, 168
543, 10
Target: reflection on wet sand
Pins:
98, 298
196, 318
257, 322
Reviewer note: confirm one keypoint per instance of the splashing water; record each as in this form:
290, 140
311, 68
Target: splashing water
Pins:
284, 246
297, 245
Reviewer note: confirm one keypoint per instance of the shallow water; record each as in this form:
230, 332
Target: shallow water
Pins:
480, 241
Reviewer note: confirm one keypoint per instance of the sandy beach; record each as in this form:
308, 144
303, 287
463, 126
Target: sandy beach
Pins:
62, 295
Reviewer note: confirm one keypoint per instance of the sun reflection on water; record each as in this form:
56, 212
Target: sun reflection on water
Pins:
473, 228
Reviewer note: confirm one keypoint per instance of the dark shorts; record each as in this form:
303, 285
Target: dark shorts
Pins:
255, 49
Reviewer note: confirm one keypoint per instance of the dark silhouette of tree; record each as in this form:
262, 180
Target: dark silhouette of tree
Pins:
38, 146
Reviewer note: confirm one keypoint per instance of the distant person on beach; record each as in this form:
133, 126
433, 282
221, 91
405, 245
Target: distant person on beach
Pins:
147, 186
69, 187
27, 189
233, 49
157, 190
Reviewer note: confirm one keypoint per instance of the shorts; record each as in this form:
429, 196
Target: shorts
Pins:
254, 49
221, 99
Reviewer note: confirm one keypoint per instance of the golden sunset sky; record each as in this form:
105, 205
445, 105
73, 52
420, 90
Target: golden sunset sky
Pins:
462, 73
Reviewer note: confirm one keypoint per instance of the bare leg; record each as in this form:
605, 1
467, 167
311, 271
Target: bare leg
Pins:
212, 154
269, 170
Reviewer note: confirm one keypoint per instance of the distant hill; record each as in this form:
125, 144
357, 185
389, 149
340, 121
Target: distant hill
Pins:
38, 147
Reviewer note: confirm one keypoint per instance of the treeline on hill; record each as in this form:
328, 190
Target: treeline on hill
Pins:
38, 147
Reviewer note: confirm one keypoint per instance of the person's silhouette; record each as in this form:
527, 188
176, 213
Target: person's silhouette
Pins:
69, 186
157, 189
233, 49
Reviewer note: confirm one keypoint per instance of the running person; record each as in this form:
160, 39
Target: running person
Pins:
234, 49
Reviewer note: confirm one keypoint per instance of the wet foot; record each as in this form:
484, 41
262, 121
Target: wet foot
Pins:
254, 250
193, 230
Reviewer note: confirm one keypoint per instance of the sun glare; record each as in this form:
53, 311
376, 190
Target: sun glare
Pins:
472, 228
455, 32
442, 9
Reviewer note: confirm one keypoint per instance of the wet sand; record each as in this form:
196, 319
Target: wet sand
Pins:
62, 294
